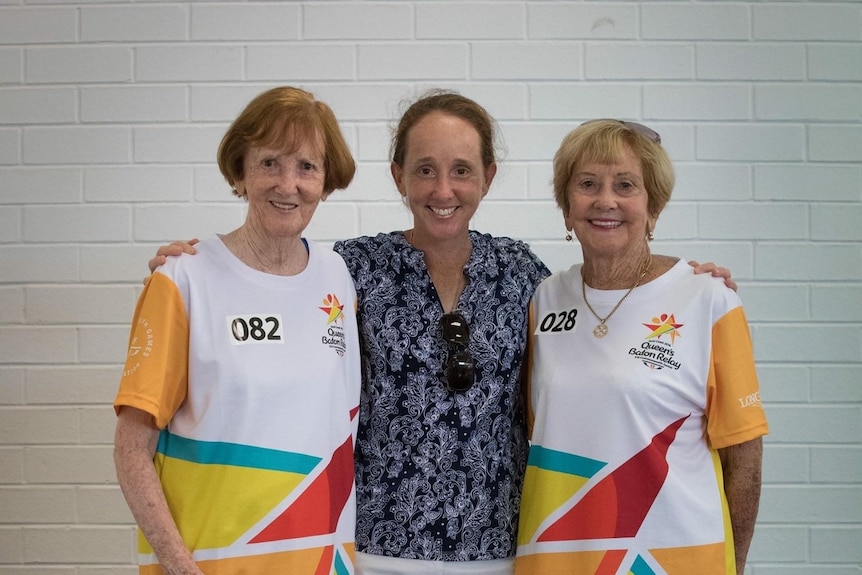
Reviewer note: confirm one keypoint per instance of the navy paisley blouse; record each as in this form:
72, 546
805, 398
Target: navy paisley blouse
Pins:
439, 474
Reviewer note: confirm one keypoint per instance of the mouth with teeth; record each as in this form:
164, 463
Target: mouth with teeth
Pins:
443, 212
282, 205
606, 224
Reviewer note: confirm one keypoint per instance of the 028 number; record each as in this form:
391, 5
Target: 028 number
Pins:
558, 321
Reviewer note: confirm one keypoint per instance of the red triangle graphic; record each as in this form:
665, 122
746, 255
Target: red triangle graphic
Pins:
617, 505
307, 515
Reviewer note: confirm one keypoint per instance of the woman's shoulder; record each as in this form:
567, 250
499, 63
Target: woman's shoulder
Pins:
387, 241
505, 246
323, 254
207, 251
210, 259
499, 242
568, 276
680, 278
505, 256
388, 252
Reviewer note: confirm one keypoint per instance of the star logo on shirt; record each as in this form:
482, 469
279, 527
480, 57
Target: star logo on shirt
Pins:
333, 307
664, 325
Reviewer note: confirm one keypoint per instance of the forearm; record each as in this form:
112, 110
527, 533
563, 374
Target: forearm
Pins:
134, 446
741, 465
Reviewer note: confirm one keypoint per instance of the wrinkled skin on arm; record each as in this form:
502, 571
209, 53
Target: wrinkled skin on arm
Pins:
135, 440
741, 465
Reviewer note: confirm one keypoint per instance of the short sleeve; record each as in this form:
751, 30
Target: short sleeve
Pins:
734, 409
155, 376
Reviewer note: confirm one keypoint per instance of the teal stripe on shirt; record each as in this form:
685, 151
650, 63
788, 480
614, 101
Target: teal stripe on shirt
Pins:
563, 462
220, 453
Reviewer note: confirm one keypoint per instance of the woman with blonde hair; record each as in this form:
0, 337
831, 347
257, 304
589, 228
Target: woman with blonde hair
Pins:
643, 398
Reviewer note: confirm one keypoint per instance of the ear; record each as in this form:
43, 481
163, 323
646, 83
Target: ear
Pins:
570, 225
398, 176
325, 195
490, 172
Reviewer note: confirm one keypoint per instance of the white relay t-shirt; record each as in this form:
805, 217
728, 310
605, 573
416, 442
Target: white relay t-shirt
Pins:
255, 380
623, 471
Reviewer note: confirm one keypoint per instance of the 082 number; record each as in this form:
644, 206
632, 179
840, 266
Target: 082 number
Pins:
255, 328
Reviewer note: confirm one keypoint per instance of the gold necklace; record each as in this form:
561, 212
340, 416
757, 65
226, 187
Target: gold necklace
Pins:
601, 330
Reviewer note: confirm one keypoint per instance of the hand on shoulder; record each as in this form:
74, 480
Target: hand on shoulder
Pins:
716, 271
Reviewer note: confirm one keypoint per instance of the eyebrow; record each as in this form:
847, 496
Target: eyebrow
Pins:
616, 174
432, 160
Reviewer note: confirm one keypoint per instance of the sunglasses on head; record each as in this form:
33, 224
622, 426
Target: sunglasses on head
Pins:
644, 131
460, 370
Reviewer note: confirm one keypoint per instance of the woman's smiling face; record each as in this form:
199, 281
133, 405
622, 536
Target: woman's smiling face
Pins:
608, 207
283, 187
443, 179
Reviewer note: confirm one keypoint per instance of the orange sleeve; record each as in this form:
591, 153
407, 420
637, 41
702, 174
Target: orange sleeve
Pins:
733, 407
155, 377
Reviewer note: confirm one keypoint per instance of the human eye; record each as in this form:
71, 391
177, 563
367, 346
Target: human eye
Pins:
268, 162
425, 171
585, 186
462, 171
626, 188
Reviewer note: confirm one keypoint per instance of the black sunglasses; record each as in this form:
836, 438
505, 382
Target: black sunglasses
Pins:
460, 370
644, 131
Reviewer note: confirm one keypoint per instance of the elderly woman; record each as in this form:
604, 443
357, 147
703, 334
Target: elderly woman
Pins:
236, 409
644, 402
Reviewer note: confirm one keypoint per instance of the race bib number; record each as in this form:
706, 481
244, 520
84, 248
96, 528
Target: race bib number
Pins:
248, 329
557, 322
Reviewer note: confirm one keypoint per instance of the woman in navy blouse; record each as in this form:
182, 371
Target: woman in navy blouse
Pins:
442, 311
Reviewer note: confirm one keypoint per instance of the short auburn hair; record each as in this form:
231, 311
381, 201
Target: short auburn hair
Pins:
283, 116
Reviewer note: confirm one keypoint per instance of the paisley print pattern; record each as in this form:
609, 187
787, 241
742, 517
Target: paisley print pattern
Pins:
439, 473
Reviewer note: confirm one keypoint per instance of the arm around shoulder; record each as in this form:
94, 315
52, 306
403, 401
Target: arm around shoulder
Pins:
716, 271
173, 249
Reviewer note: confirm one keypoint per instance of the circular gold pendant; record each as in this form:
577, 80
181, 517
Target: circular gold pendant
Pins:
600, 331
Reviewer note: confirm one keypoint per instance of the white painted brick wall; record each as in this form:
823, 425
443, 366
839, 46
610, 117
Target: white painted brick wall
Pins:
356, 21
134, 23
111, 112
10, 146
77, 64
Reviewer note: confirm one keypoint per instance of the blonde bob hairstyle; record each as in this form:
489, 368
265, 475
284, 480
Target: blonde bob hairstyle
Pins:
284, 117
606, 142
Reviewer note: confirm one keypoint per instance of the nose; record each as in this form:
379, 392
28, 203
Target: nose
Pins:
286, 179
445, 187
605, 198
